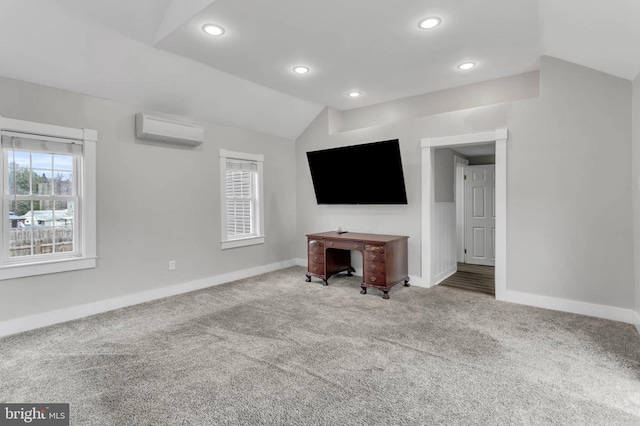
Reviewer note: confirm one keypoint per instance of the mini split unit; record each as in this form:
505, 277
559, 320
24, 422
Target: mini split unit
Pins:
166, 130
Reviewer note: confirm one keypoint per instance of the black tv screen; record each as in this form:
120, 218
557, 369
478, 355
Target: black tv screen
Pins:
359, 174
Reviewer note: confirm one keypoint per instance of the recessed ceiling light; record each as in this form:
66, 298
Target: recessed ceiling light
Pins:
466, 65
428, 23
354, 94
300, 69
212, 29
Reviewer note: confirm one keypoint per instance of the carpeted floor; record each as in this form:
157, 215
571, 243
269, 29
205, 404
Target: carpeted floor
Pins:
275, 349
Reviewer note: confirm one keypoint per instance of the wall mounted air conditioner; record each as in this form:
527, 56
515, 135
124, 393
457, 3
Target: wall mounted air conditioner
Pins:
166, 130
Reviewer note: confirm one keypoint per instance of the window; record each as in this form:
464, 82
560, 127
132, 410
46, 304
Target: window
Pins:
241, 199
48, 200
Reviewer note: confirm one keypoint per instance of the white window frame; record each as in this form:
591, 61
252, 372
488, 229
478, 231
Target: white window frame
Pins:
229, 242
84, 254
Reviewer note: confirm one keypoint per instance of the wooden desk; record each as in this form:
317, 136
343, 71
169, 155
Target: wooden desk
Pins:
384, 258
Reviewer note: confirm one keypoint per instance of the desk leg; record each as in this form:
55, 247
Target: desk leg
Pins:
364, 290
406, 283
386, 294
350, 271
308, 277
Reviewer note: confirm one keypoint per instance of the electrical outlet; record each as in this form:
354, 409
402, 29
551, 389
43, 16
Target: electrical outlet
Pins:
172, 265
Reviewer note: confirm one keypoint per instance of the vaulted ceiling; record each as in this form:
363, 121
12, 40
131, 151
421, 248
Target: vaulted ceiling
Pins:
154, 54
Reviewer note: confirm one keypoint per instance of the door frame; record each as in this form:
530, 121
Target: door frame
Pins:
428, 145
459, 164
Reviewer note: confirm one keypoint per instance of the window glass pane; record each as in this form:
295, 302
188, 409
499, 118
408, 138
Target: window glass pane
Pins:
20, 237
41, 181
41, 161
63, 183
63, 162
19, 180
22, 159
63, 224
40, 227
239, 193
20, 240
43, 239
239, 217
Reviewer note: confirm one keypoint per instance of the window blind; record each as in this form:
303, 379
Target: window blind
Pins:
240, 194
44, 145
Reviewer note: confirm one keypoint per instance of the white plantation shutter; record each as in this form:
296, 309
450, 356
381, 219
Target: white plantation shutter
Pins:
240, 193
241, 198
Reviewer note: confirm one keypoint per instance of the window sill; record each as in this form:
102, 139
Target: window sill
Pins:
50, 267
242, 242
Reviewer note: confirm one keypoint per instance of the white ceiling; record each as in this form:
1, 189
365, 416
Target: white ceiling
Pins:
153, 53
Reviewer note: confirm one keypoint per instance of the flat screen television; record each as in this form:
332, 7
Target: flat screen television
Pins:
359, 174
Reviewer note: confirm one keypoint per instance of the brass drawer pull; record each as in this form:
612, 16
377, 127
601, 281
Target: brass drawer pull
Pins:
373, 267
330, 243
373, 279
355, 245
373, 256
315, 258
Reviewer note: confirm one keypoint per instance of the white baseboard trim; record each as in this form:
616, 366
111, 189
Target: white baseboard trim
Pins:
444, 275
76, 312
637, 321
571, 306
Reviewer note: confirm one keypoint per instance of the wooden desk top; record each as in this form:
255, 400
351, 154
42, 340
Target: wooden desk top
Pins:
355, 236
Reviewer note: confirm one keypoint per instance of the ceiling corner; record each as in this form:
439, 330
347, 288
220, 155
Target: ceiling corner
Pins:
178, 12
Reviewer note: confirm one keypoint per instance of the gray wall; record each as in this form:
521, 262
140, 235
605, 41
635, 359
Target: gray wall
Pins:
521, 86
568, 186
635, 183
155, 203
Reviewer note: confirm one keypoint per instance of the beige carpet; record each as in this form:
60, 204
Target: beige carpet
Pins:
277, 350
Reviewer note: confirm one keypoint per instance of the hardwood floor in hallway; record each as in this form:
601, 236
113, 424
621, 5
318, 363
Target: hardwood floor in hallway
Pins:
477, 278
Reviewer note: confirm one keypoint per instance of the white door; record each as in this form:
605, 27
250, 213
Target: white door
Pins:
480, 216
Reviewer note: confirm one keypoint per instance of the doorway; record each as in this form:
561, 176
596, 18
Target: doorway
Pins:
474, 188
430, 258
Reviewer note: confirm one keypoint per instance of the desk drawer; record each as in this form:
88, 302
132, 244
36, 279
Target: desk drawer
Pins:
344, 244
375, 267
316, 246
371, 256
375, 278
316, 268
316, 258
370, 248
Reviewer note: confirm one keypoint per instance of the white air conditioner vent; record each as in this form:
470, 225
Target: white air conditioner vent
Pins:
166, 130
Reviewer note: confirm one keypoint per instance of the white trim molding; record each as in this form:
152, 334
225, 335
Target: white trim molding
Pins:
572, 306
636, 320
45, 319
499, 136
